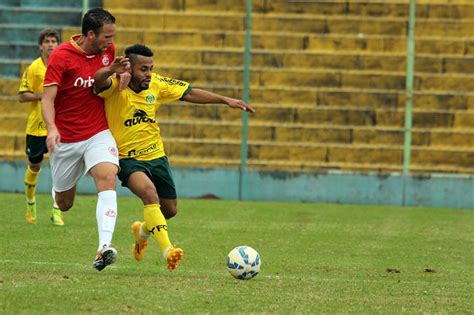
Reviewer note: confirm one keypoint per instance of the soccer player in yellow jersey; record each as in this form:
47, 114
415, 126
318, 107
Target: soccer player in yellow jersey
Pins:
131, 114
31, 90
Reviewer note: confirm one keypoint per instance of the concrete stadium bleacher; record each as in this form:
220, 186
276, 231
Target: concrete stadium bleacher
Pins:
22, 20
327, 80
20, 23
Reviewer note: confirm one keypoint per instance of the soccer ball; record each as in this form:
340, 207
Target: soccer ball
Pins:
243, 262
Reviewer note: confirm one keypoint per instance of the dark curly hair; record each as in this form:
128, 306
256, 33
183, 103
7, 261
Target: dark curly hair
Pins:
138, 49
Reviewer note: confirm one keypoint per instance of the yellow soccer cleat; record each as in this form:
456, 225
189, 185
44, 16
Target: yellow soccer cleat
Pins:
138, 248
57, 217
173, 257
31, 213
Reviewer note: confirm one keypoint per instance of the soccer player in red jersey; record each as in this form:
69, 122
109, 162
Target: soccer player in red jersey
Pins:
78, 136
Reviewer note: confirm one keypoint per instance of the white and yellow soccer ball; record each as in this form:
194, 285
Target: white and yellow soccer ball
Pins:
243, 262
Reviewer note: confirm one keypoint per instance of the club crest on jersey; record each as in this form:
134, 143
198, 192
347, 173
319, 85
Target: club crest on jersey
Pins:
113, 151
111, 213
150, 99
105, 60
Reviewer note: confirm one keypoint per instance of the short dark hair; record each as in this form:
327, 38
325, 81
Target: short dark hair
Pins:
94, 20
48, 33
138, 49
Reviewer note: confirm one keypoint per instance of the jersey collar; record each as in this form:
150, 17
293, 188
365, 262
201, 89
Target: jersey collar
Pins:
73, 41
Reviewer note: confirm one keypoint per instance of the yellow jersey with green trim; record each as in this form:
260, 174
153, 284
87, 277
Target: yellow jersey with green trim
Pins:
32, 81
132, 116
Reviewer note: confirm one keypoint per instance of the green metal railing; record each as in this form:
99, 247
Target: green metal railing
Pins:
245, 98
409, 97
409, 87
85, 6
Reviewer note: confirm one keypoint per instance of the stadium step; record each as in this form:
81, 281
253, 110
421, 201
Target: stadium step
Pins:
311, 23
425, 9
347, 60
296, 166
343, 133
316, 133
270, 165
367, 98
12, 143
299, 153
20, 33
310, 152
321, 77
40, 16
319, 167
376, 43
49, 3
327, 79
9, 106
298, 114
13, 68
20, 50
9, 86
14, 124
289, 40
324, 115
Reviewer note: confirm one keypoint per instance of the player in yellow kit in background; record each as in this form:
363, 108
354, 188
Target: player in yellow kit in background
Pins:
31, 90
131, 115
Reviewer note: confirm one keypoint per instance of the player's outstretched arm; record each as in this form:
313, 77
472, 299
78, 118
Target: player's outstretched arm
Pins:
102, 76
200, 96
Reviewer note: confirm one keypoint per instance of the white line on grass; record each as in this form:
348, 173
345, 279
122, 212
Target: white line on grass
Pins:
49, 263
82, 266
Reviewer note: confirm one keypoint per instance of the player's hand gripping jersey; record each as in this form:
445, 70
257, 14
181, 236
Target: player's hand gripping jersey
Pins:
132, 116
79, 113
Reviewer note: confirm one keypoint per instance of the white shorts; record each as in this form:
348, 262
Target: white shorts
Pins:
70, 161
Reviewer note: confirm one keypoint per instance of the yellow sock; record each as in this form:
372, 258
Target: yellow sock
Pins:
155, 222
31, 178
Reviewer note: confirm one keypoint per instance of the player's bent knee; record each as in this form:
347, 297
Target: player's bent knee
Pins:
35, 167
104, 175
111, 180
149, 195
169, 207
106, 182
169, 212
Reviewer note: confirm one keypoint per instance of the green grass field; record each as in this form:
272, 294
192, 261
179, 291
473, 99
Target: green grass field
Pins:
317, 258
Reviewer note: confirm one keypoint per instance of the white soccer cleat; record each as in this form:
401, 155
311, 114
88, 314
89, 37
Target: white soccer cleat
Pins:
105, 257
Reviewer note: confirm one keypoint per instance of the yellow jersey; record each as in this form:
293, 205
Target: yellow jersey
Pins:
32, 81
132, 116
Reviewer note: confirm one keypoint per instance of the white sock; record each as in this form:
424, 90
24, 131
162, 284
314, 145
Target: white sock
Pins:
165, 253
53, 193
106, 214
143, 235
